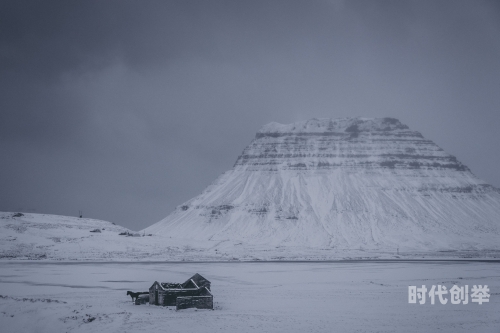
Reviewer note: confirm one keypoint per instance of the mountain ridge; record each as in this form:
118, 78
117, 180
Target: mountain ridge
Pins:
342, 183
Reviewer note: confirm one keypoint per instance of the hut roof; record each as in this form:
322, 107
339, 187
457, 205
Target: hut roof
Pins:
194, 282
169, 285
198, 280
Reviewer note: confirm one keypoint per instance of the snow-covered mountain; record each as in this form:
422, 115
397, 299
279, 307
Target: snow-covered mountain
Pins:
350, 183
319, 189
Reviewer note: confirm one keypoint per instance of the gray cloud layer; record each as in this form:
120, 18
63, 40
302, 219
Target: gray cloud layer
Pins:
125, 109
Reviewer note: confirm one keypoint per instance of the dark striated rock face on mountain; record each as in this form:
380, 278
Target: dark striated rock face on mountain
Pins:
343, 183
353, 143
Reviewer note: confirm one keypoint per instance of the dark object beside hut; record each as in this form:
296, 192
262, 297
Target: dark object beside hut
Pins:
194, 293
136, 294
142, 299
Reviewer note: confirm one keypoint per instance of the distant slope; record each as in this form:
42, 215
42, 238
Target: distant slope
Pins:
35, 236
341, 184
54, 237
29, 236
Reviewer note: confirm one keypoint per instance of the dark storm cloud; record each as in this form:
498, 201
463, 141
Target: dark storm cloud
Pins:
127, 108
45, 39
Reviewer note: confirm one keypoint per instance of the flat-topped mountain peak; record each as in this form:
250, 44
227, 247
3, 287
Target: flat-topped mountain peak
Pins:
352, 143
342, 184
325, 125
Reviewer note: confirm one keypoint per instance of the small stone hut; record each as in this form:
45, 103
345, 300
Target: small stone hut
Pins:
193, 293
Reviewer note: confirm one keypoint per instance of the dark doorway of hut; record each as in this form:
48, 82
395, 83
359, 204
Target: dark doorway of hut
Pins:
156, 298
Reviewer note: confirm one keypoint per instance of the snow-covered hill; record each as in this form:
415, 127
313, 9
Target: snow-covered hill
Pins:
341, 184
56, 237
27, 236
38, 236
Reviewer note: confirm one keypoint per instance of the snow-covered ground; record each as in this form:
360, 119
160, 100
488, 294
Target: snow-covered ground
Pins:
249, 297
53, 237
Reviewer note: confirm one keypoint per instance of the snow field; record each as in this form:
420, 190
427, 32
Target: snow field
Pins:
249, 297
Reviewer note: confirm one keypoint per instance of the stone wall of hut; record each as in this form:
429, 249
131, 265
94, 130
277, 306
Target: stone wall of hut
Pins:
198, 302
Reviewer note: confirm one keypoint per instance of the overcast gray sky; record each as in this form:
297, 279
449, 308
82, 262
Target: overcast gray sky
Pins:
126, 109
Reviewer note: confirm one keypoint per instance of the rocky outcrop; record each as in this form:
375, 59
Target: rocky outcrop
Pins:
350, 143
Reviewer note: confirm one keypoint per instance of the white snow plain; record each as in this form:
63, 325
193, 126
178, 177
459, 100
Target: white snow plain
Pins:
249, 297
